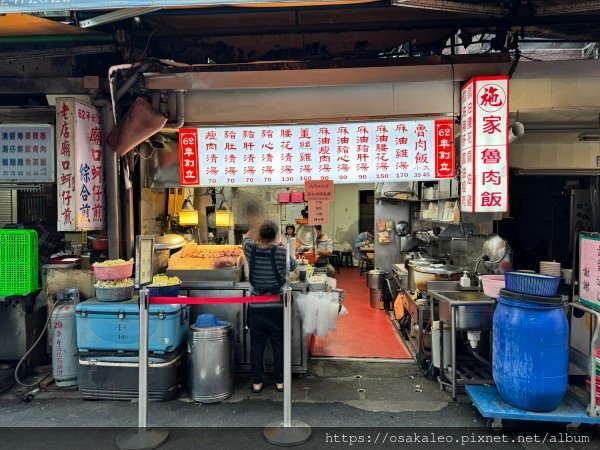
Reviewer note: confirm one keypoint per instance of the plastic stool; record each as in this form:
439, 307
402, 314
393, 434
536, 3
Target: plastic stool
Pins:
347, 260
365, 264
335, 260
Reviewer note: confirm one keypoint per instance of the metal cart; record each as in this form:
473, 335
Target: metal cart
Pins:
573, 410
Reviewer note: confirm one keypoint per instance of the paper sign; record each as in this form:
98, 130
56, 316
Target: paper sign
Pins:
349, 152
318, 212
484, 145
589, 269
27, 153
318, 190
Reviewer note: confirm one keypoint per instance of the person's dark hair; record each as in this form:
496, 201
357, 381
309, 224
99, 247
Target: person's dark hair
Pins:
318, 227
268, 231
287, 227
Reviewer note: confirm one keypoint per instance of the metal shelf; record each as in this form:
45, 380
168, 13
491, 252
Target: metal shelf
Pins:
469, 372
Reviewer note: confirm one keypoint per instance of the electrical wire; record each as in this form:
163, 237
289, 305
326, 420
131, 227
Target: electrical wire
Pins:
35, 344
147, 44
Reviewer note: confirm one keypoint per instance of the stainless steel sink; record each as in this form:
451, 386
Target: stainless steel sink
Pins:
474, 310
466, 296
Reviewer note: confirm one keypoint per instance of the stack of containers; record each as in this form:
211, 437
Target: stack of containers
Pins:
530, 340
108, 343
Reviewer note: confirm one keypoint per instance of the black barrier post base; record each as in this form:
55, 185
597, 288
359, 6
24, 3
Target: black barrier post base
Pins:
277, 434
142, 438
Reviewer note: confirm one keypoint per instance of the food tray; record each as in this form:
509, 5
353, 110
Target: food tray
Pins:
531, 283
18, 262
114, 294
111, 273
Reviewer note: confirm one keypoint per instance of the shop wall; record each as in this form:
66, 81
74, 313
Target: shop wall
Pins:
339, 102
344, 212
554, 93
152, 206
557, 155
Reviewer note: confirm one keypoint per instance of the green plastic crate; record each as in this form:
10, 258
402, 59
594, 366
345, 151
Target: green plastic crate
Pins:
18, 262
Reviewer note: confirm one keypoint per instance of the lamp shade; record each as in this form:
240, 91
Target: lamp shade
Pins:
223, 218
188, 217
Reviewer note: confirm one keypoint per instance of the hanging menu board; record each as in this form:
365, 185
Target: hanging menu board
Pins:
79, 165
27, 153
589, 269
349, 152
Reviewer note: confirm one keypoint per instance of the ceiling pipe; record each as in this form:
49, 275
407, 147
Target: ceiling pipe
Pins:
132, 79
179, 110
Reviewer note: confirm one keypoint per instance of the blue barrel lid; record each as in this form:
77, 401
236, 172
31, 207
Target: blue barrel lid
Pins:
550, 301
208, 321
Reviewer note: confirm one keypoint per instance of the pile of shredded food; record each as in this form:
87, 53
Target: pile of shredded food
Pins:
161, 280
125, 282
113, 262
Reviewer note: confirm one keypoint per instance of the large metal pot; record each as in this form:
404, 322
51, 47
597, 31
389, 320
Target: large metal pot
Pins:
424, 274
376, 278
412, 263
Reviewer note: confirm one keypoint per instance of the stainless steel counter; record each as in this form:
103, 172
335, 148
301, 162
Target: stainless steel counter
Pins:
465, 310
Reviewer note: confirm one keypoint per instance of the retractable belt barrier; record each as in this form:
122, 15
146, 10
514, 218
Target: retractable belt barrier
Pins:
213, 301
284, 433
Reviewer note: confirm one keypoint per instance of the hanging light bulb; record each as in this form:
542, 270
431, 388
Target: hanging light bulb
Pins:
223, 217
188, 215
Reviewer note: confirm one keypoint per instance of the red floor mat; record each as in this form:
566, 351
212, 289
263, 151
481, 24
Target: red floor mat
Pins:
365, 332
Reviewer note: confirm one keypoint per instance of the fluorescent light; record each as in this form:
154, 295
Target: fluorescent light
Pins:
587, 137
445, 5
115, 16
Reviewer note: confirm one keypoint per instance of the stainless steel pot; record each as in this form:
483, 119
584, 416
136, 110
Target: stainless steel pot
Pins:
376, 279
423, 274
410, 264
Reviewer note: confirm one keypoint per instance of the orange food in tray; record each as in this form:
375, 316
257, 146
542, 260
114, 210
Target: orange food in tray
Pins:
206, 257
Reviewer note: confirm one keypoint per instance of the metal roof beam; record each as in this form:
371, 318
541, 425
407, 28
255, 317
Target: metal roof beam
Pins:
569, 8
115, 16
451, 6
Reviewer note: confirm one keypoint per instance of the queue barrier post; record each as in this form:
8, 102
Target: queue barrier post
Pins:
142, 437
287, 432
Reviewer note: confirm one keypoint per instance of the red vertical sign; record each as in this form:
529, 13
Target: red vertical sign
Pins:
189, 172
444, 149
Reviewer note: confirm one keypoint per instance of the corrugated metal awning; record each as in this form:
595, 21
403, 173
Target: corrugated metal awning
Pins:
28, 6
27, 25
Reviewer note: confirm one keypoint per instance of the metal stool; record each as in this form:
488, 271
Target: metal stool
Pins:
335, 260
347, 260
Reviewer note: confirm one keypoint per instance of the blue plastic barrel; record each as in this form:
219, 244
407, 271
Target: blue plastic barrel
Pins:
531, 351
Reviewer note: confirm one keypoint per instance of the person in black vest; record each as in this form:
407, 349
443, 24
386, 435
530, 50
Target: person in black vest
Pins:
267, 262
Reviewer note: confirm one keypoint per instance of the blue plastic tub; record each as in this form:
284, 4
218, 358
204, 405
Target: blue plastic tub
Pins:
531, 283
530, 360
164, 291
115, 326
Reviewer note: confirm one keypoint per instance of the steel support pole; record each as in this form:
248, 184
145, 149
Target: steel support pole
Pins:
142, 437
289, 432
111, 168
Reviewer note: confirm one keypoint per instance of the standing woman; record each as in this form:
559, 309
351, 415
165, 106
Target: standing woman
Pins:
290, 231
265, 320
